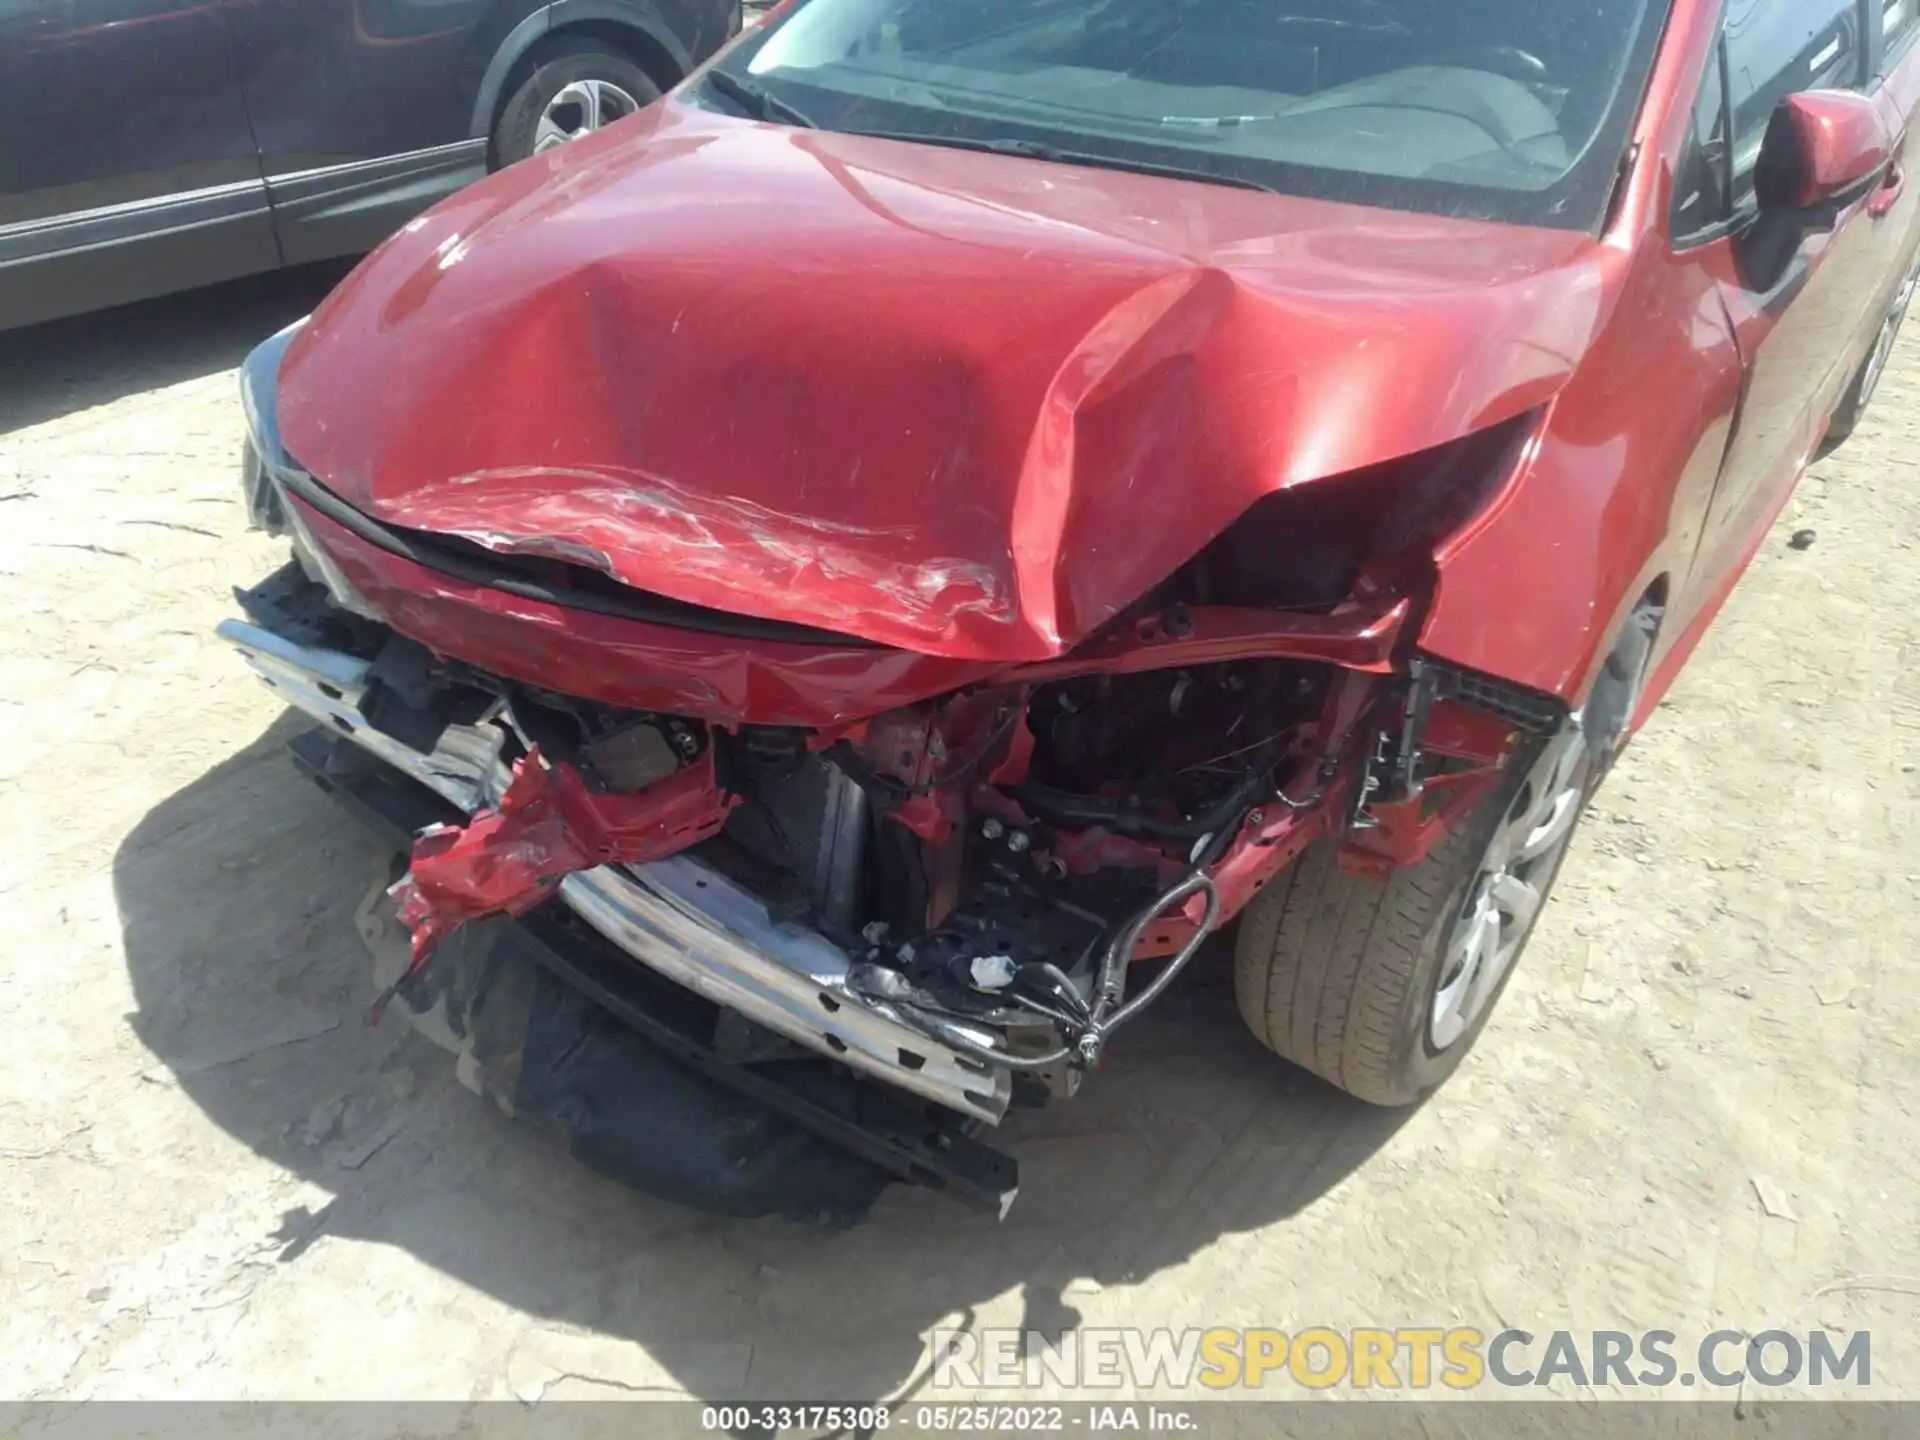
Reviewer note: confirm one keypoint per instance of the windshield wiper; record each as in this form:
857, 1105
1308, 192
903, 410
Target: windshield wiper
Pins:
1039, 150
758, 103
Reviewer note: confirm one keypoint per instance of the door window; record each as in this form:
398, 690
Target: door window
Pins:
1900, 19
1703, 190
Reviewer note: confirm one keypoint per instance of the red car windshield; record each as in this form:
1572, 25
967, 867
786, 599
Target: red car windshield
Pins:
1497, 109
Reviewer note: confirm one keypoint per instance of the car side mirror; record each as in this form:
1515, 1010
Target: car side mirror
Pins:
1823, 150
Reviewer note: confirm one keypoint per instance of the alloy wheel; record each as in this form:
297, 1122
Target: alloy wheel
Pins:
1508, 888
580, 108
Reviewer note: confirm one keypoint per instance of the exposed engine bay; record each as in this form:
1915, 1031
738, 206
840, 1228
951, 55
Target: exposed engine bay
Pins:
1009, 872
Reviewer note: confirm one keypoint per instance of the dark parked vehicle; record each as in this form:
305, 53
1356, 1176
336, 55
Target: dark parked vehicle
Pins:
153, 145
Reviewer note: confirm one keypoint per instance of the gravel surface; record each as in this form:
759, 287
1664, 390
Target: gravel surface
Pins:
1717, 1023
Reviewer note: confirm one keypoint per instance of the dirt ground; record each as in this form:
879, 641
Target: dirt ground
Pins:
220, 1183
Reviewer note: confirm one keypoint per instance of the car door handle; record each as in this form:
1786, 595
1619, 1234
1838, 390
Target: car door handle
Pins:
1888, 195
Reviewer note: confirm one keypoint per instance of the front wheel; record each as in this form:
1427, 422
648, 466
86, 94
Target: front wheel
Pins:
1382, 986
1873, 369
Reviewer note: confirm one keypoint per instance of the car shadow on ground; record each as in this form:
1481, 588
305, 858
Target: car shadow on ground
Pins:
63, 366
236, 898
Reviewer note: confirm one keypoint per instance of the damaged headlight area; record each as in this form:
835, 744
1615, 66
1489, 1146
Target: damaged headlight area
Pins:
266, 469
262, 456
1312, 545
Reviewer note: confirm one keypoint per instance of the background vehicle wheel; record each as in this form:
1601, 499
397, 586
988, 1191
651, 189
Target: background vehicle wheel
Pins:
1853, 408
1381, 987
575, 87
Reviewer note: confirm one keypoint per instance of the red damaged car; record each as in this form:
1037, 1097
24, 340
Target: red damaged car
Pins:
845, 581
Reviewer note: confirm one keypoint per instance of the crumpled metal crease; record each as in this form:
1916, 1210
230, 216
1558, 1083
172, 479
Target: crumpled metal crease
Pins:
628, 523
548, 825
970, 406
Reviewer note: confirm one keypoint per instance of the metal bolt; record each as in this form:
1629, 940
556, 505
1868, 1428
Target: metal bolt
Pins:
992, 828
1018, 841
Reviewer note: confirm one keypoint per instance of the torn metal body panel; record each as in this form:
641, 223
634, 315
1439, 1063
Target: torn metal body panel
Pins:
546, 826
554, 1024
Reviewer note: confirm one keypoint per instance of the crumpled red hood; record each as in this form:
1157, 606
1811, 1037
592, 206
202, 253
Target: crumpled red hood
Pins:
963, 404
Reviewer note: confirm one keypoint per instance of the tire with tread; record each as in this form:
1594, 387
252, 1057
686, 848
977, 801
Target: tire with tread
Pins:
1860, 394
1846, 419
557, 63
1336, 971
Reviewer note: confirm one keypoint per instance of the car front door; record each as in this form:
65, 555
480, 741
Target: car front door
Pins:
127, 166
364, 109
1802, 318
